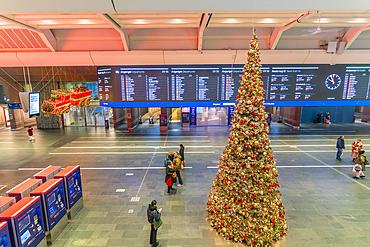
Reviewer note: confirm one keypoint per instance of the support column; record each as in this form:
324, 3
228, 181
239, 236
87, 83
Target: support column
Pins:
365, 114
163, 120
129, 118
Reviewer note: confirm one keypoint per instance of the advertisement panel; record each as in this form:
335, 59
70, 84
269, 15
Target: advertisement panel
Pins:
34, 103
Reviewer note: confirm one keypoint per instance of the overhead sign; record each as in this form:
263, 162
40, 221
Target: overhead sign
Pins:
217, 85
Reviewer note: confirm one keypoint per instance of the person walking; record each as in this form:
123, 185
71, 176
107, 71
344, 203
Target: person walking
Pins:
181, 153
177, 164
169, 179
340, 146
360, 164
319, 117
356, 147
30, 133
268, 120
153, 214
327, 118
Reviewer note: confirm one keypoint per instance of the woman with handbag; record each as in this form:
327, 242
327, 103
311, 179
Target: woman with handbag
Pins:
154, 218
170, 171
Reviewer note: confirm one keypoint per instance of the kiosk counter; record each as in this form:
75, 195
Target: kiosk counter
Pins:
73, 190
26, 223
54, 207
4, 235
48, 173
23, 189
5, 203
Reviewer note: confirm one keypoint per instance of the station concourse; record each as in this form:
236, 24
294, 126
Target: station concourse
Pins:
125, 82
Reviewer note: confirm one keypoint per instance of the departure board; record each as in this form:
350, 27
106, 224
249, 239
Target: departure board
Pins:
206, 85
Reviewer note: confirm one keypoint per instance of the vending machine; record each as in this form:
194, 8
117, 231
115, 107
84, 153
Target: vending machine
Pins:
26, 223
73, 189
23, 189
5, 203
47, 173
4, 235
54, 207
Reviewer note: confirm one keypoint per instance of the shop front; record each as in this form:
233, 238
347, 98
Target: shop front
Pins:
206, 116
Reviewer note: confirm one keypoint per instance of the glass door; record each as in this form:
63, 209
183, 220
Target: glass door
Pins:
99, 116
90, 116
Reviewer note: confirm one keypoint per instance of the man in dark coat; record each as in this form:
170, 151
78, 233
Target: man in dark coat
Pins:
181, 153
340, 146
152, 213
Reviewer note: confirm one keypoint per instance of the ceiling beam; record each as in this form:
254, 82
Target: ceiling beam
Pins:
278, 31
122, 31
203, 23
46, 35
352, 34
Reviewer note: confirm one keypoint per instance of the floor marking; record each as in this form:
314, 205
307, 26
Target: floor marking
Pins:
142, 182
313, 135
345, 175
136, 141
120, 190
112, 153
3, 186
6, 142
135, 199
30, 169
328, 130
144, 137
129, 174
215, 167
142, 147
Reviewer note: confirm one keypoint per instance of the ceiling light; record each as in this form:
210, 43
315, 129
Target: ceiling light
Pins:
322, 20
177, 21
85, 22
48, 22
231, 21
358, 20
3, 23
140, 21
268, 20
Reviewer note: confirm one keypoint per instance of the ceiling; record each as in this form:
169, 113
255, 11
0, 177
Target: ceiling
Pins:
277, 30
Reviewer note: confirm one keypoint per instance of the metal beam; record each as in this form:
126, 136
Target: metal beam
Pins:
122, 31
203, 23
278, 31
352, 34
46, 35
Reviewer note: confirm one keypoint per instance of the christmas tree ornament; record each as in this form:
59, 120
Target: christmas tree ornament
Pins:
244, 204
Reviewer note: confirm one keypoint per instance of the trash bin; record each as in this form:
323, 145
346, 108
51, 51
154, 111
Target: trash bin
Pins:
107, 124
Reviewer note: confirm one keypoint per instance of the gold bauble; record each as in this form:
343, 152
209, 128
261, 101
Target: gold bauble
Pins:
223, 229
215, 197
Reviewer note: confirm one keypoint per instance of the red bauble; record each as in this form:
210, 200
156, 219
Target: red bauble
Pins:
222, 222
259, 183
242, 163
227, 207
282, 216
234, 188
260, 116
211, 211
272, 185
217, 213
252, 196
238, 96
251, 134
241, 121
237, 202
280, 203
272, 219
267, 168
273, 223
243, 178
244, 236
216, 227
271, 157
229, 237
263, 141
214, 207
252, 241
242, 200
257, 229
251, 206
255, 166
276, 175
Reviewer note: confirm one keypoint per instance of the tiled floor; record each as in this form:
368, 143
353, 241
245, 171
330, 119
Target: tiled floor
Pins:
325, 206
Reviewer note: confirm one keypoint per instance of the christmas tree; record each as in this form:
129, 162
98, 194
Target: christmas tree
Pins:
244, 204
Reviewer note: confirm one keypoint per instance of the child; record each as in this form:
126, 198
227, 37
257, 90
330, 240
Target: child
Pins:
30, 133
360, 164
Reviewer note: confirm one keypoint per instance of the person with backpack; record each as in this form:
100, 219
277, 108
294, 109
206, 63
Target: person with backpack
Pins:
170, 177
181, 153
362, 161
178, 167
340, 147
153, 215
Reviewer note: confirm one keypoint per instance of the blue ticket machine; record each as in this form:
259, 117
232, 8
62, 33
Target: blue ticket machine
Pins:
23, 189
54, 207
73, 189
4, 235
26, 223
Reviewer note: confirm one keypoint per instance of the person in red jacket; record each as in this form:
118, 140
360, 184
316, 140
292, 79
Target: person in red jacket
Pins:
30, 133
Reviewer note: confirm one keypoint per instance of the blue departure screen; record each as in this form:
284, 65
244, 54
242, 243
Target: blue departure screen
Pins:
158, 85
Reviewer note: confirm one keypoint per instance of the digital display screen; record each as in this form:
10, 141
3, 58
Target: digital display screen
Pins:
24, 223
71, 191
25, 236
14, 106
52, 210
220, 83
34, 102
51, 199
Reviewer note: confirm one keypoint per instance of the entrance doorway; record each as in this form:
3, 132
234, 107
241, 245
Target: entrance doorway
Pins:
95, 116
89, 116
